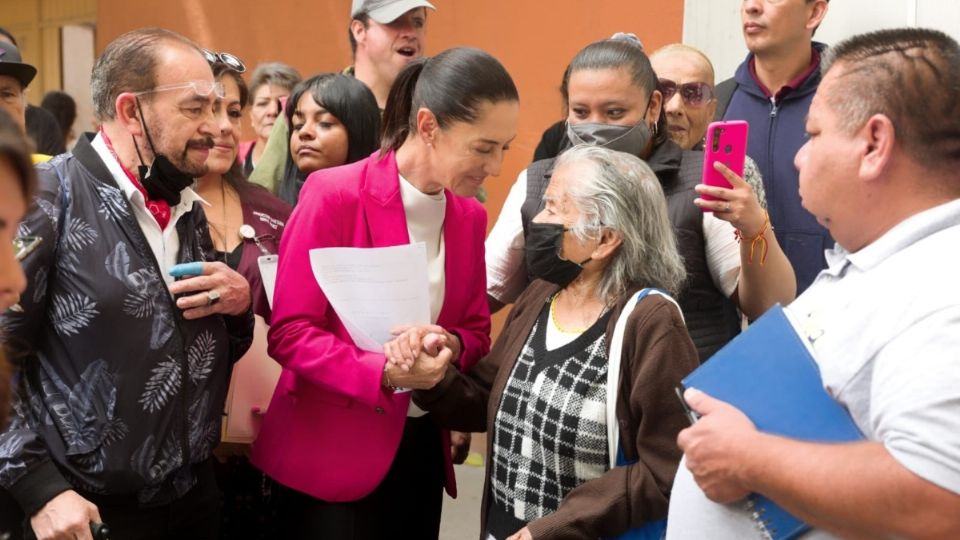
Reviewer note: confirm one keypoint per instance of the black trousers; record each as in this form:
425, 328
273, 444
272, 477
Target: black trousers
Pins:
406, 504
195, 516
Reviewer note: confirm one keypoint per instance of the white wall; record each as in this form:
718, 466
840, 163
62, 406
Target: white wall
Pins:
77, 41
714, 25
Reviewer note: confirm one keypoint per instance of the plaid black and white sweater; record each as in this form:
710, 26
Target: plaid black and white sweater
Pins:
550, 432
657, 354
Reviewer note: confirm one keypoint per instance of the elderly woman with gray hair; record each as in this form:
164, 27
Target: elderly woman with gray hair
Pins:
574, 371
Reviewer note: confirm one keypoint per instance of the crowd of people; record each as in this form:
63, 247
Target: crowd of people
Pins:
132, 280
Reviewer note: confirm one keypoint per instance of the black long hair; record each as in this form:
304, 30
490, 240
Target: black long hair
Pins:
452, 85
355, 107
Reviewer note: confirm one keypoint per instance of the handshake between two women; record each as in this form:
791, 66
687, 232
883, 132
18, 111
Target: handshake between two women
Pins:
419, 356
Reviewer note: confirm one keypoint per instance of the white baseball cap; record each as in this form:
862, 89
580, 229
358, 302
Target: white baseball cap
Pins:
387, 11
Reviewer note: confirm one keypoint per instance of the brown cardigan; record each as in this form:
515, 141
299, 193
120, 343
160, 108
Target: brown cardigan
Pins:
657, 353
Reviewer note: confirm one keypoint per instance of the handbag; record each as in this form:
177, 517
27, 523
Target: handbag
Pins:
654, 530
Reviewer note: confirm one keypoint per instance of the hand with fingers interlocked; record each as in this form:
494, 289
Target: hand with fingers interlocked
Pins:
410, 341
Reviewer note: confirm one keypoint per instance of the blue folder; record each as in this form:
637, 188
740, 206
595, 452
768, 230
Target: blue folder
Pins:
768, 373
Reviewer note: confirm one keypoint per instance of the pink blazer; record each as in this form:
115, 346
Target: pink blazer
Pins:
331, 429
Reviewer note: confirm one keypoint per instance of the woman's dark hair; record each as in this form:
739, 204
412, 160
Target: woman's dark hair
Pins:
617, 53
234, 177
220, 70
452, 85
355, 107
15, 152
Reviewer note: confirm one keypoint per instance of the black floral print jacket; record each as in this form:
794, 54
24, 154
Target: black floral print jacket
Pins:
117, 392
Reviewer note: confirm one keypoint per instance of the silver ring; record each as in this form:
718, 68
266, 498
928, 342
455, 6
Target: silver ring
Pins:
213, 297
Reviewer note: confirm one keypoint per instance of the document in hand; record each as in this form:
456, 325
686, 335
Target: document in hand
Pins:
768, 373
374, 290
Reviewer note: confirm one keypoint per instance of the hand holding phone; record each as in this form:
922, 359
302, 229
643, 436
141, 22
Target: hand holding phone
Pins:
726, 143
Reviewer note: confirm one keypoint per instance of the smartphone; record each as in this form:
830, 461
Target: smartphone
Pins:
691, 415
726, 143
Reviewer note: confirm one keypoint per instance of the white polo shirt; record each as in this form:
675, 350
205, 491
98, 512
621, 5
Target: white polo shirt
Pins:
884, 327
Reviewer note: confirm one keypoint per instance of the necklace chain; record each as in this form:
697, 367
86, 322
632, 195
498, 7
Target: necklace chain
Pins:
222, 229
556, 322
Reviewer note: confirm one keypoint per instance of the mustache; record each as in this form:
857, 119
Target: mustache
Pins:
206, 142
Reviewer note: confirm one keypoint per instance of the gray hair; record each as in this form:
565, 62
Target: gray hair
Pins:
624, 195
276, 73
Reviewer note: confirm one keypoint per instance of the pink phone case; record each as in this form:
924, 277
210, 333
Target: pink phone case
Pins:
726, 143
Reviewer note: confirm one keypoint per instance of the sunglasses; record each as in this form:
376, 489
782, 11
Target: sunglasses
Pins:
225, 58
693, 94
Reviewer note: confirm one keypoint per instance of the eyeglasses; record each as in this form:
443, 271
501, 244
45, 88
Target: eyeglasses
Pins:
25, 245
225, 58
200, 88
694, 94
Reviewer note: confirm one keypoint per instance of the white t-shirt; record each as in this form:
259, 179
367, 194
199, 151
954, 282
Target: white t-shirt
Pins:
506, 268
884, 327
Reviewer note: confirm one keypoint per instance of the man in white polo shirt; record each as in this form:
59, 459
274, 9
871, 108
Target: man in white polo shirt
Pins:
883, 320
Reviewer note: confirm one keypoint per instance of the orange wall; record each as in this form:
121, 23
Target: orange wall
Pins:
535, 39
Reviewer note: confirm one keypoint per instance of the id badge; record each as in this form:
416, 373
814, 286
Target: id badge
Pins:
268, 274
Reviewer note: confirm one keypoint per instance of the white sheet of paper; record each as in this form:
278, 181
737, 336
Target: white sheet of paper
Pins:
374, 290
268, 274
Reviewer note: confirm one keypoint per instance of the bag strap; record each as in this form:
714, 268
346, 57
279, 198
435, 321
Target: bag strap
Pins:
613, 368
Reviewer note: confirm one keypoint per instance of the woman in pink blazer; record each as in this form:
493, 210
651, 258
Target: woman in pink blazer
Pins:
352, 458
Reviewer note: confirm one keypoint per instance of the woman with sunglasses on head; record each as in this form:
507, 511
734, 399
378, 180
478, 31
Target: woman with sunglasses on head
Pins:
246, 222
612, 100
355, 459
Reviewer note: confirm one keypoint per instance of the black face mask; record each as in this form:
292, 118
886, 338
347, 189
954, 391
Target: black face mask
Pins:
162, 179
542, 251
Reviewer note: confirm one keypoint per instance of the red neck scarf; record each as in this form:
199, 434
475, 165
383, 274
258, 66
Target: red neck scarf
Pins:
159, 208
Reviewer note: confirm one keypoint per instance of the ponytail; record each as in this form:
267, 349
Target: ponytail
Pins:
397, 119
453, 85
